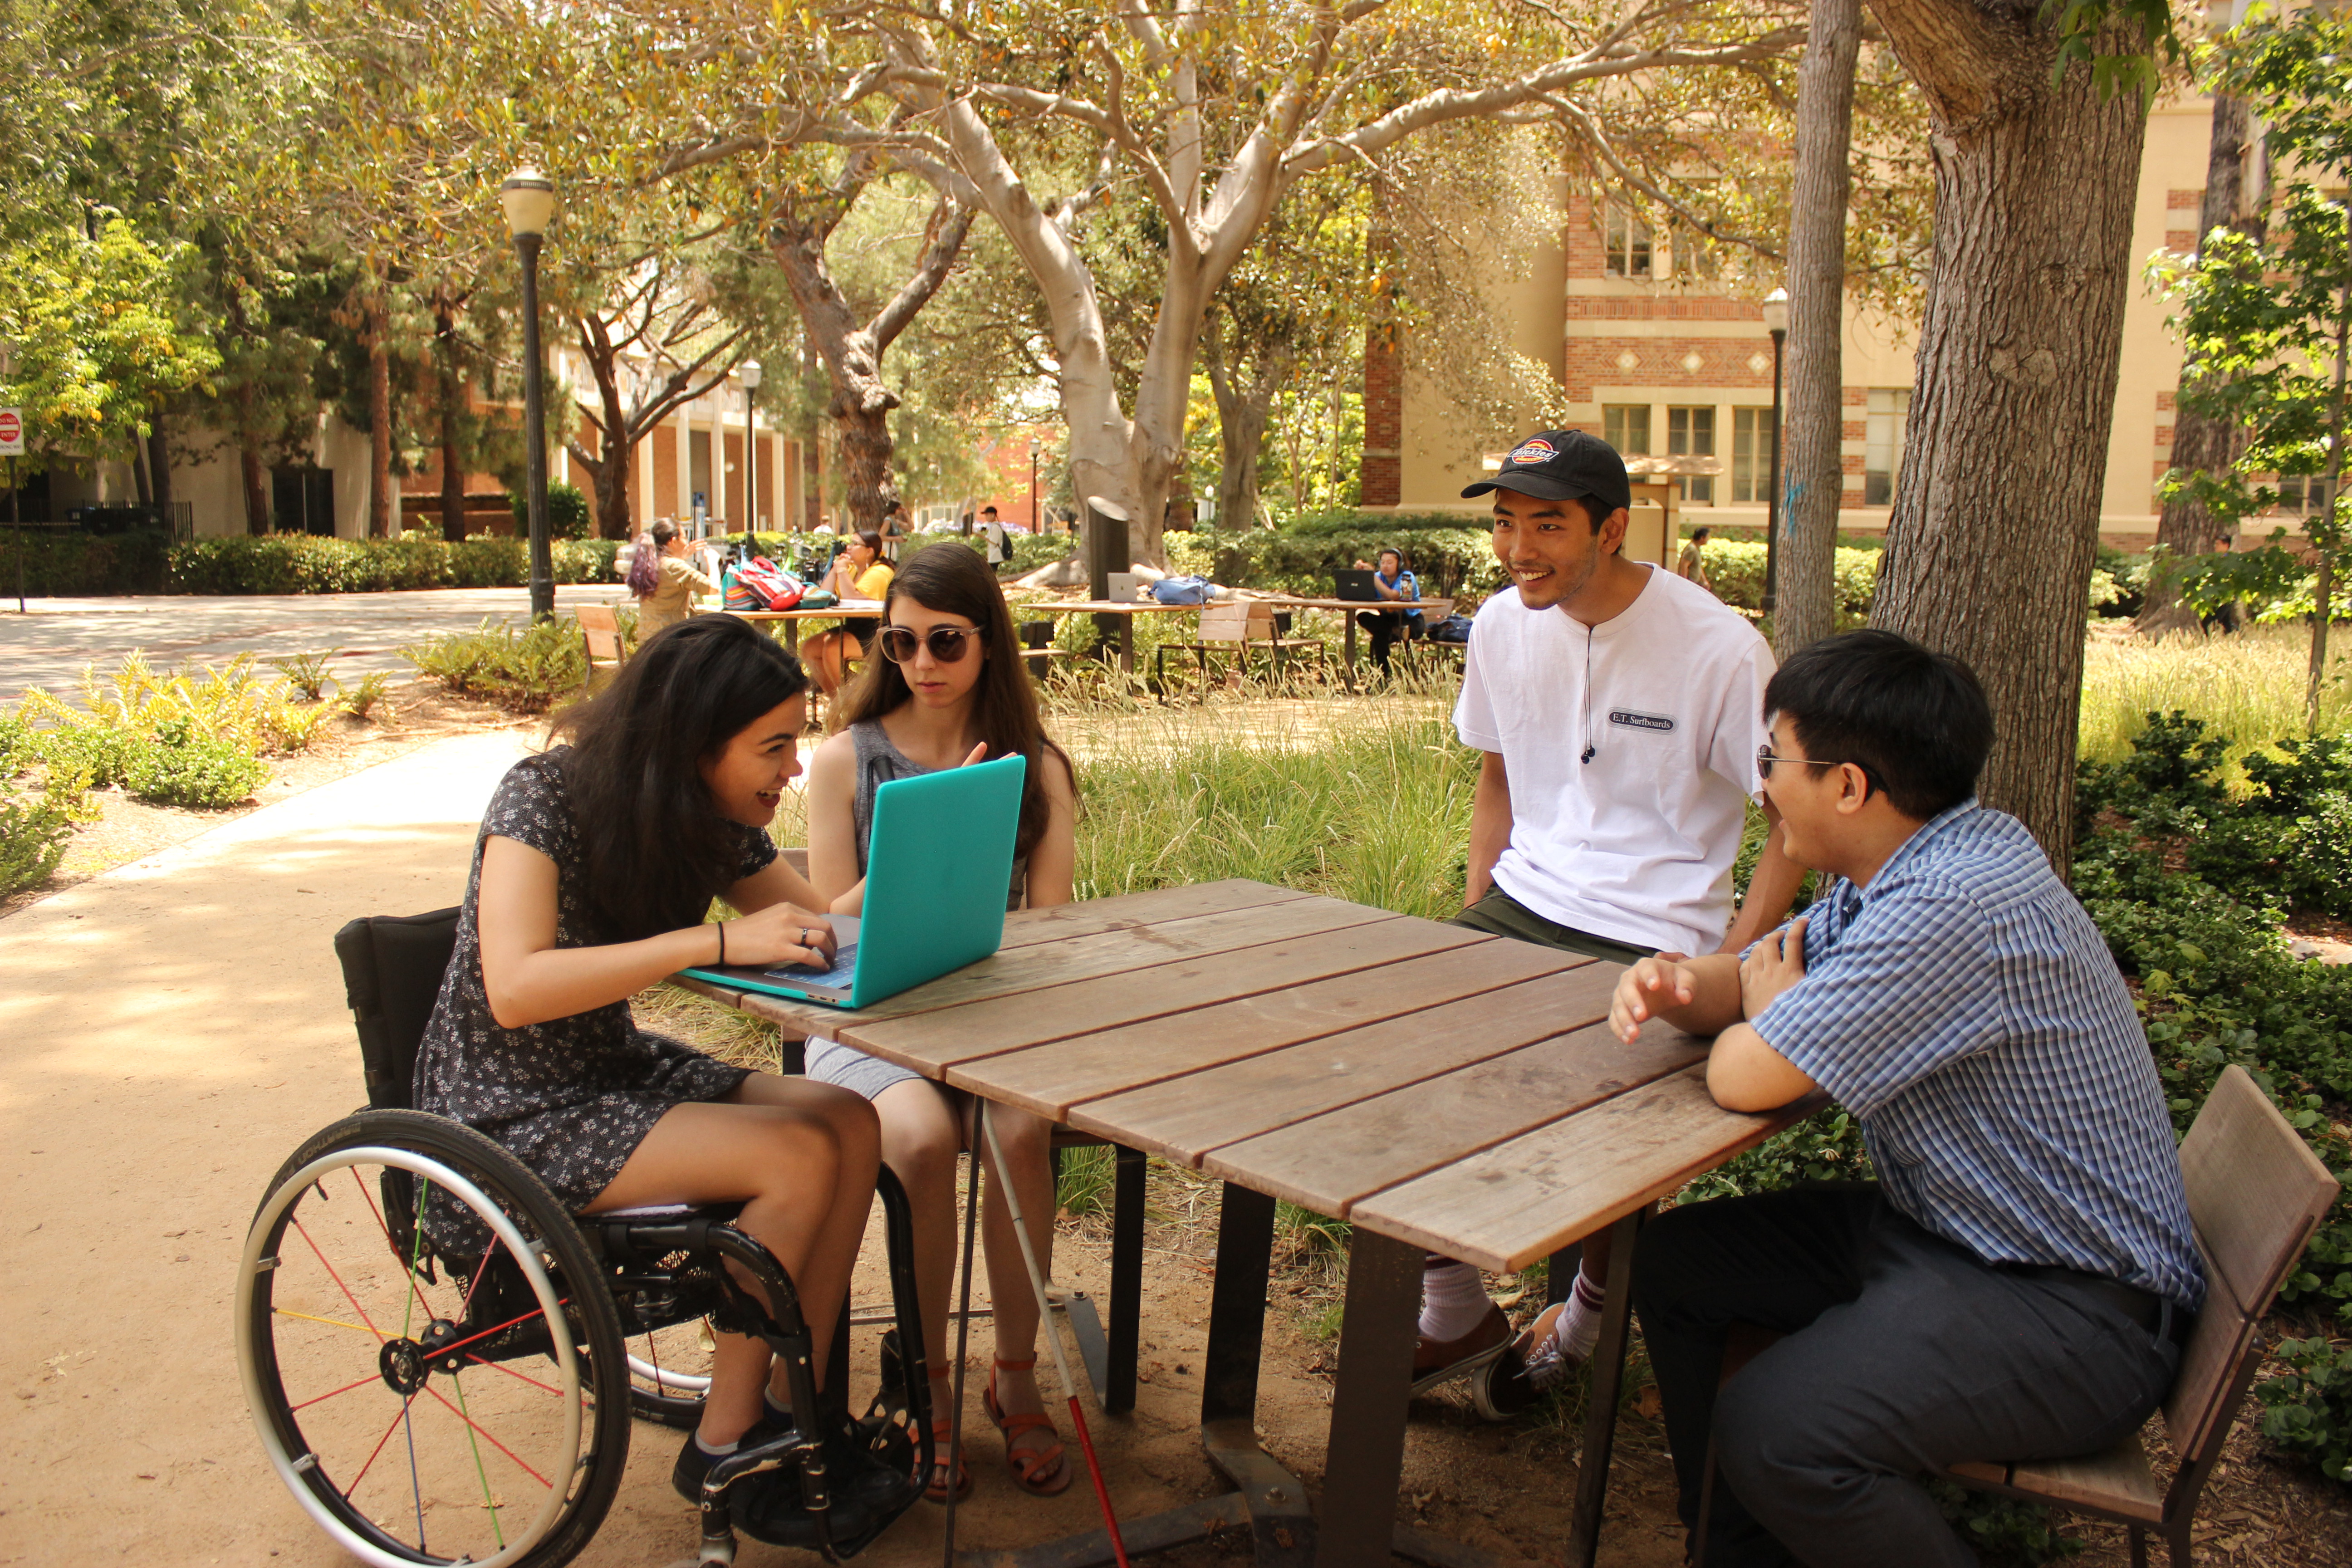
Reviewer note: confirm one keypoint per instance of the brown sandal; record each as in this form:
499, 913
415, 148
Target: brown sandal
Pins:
1041, 1472
939, 1489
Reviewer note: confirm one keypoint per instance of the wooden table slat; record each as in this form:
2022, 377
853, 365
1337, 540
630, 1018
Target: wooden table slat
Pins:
1268, 1016
1326, 1163
1185, 1118
1129, 912
1523, 1199
1011, 972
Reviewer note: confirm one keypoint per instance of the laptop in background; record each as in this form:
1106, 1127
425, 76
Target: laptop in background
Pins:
1356, 586
938, 867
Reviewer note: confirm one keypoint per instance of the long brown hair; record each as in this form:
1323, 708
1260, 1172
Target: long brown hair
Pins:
951, 580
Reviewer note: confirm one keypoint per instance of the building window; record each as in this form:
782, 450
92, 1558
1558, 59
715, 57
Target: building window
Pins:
1626, 426
1751, 455
1690, 433
1882, 463
1628, 244
2302, 492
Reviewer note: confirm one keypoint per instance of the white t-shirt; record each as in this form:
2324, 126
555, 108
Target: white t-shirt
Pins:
1636, 845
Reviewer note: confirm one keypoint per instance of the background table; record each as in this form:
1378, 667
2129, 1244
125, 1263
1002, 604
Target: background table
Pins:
792, 619
1438, 1088
1124, 610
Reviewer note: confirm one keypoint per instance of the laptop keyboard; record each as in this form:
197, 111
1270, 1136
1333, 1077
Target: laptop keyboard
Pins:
843, 971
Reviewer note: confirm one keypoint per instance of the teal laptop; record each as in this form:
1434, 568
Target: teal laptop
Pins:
938, 866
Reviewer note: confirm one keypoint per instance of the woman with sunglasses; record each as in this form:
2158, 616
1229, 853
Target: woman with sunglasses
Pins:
949, 689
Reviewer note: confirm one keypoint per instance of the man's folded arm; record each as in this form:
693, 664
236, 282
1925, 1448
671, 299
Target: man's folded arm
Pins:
1745, 1073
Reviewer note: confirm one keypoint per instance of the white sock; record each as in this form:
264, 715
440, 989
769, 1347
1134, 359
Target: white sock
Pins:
716, 1450
1577, 1328
1453, 1301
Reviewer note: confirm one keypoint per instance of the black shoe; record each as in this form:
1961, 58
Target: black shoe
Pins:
862, 1494
693, 1464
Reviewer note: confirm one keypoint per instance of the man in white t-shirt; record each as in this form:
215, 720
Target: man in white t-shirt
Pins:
1620, 710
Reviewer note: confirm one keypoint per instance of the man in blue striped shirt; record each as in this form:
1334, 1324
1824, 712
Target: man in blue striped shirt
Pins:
2018, 1282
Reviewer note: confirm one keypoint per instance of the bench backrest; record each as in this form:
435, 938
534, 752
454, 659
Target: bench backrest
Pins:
600, 629
2256, 1192
1237, 620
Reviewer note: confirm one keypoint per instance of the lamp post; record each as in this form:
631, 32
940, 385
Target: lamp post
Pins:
749, 371
529, 197
1776, 321
1036, 518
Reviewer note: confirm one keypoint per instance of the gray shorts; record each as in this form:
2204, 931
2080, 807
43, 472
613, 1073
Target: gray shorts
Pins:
830, 1061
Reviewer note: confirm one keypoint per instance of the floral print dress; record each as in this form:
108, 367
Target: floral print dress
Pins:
571, 1098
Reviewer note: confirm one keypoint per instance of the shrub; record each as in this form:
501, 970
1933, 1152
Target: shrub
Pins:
306, 672
1450, 561
356, 701
83, 757
2309, 1409
19, 746
33, 834
1735, 572
308, 563
61, 562
522, 669
567, 512
183, 766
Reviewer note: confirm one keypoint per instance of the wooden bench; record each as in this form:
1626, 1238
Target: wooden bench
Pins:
2256, 1193
1236, 627
600, 636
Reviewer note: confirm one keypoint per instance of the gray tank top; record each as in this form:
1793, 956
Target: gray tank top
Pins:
879, 761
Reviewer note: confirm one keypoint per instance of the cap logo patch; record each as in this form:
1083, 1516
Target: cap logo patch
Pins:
1537, 450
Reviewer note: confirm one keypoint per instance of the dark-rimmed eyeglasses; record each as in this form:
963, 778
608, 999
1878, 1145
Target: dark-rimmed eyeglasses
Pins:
948, 644
1765, 759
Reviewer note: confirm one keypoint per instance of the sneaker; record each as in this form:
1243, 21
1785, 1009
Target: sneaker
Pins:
861, 1492
1532, 1366
1442, 1357
686, 1475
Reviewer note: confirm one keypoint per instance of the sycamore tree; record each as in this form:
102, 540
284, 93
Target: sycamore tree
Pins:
1044, 109
101, 335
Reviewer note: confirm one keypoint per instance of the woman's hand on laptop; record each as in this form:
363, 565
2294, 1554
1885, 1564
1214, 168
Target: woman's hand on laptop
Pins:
978, 755
781, 933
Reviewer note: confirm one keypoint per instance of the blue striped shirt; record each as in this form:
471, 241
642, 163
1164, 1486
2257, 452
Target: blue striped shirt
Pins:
1968, 1011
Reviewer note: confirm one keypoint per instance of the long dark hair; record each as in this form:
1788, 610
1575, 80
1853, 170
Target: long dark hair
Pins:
657, 850
950, 580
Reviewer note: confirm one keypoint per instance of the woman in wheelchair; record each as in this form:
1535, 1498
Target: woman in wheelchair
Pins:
949, 688
595, 866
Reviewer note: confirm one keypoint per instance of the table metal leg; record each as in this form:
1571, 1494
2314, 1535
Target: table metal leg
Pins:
1368, 1408
1125, 1280
1608, 1365
1282, 1525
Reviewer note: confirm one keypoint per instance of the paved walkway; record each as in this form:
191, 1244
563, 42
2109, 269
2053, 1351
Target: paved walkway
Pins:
49, 645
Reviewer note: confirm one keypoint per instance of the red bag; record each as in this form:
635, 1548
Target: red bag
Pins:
768, 584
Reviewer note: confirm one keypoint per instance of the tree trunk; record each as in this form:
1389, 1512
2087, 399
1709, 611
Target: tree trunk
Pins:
159, 466
255, 480
1243, 409
1996, 512
140, 486
379, 352
2201, 443
451, 398
1813, 468
851, 351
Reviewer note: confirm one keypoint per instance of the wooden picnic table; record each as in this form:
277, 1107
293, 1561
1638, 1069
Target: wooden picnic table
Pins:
1442, 1090
1124, 609
1431, 609
792, 619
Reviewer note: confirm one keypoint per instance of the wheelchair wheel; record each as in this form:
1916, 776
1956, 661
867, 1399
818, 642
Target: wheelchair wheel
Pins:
669, 1373
432, 1359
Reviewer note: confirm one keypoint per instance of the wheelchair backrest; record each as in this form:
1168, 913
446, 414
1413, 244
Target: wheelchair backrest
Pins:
393, 967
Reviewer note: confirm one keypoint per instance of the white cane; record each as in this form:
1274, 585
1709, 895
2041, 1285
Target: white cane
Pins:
1045, 1325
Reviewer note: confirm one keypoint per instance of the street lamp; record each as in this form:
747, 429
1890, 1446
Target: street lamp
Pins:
1776, 321
1035, 518
529, 197
749, 371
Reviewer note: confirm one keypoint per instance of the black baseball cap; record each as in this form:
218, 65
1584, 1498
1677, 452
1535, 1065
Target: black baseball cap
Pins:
1562, 465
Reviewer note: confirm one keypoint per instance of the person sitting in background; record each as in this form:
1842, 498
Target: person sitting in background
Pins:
894, 528
2020, 1280
857, 572
665, 582
1390, 580
1692, 562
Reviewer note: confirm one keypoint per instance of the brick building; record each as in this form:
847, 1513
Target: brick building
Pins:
1661, 360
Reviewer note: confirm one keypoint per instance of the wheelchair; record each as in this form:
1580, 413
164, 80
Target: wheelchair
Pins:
443, 1365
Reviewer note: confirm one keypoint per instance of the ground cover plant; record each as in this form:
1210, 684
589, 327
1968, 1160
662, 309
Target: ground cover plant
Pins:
524, 669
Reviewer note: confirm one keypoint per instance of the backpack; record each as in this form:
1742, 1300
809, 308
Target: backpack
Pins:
763, 581
1183, 590
1453, 628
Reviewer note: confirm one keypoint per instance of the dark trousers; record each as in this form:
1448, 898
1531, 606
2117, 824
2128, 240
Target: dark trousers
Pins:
1905, 1352
1388, 627
1499, 914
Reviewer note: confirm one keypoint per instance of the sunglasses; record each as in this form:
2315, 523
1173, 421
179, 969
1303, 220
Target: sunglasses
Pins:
948, 644
1765, 759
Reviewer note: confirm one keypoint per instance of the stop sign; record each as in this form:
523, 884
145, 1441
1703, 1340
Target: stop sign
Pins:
12, 432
